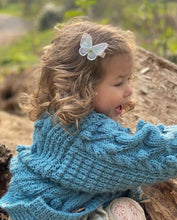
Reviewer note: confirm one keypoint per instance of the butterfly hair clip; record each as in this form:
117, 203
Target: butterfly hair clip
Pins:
92, 51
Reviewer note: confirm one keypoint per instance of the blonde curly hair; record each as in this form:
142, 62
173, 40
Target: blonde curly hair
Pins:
67, 82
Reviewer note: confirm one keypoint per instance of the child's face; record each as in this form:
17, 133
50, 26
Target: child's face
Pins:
114, 91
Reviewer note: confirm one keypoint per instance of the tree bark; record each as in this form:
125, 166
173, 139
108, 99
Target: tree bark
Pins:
5, 176
163, 201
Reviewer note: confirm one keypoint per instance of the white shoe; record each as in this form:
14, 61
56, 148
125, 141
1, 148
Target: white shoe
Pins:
125, 209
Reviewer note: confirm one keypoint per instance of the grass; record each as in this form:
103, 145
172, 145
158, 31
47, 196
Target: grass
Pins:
24, 52
12, 9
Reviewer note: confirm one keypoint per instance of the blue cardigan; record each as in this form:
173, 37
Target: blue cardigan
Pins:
62, 172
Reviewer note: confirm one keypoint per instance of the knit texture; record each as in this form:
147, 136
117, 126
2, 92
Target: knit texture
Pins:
62, 172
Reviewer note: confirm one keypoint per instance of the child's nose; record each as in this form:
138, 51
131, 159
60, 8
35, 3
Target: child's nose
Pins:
128, 91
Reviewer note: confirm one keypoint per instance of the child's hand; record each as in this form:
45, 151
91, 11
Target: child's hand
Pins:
171, 133
172, 129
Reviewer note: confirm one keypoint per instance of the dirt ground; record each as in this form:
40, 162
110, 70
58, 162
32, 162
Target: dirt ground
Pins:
14, 130
155, 89
11, 29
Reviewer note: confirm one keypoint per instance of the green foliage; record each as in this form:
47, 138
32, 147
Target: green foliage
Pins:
12, 8
25, 52
152, 21
85, 4
83, 7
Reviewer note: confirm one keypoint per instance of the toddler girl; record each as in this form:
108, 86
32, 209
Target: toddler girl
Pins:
82, 163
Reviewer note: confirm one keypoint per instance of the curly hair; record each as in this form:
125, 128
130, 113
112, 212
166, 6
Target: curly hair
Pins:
67, 81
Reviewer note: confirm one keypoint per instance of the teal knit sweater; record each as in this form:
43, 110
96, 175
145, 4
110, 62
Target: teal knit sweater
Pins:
61, 173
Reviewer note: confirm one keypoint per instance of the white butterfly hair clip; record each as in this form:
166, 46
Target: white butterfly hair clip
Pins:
92, 51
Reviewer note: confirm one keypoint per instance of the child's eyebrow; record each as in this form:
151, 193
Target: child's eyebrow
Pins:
123, 75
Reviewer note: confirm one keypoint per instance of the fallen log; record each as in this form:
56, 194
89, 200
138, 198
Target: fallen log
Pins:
163, 201
5, 176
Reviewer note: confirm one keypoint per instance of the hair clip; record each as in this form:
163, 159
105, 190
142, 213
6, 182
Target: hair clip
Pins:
92, 51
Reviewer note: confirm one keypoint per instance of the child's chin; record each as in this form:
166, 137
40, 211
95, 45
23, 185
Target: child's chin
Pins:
115, 117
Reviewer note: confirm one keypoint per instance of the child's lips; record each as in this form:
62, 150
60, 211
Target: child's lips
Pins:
119, 109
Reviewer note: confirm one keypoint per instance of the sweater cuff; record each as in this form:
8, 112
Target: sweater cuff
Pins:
38, 210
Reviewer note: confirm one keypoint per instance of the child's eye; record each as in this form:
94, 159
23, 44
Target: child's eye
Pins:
118, 84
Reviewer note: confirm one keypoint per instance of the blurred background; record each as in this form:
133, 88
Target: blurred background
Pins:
26, 26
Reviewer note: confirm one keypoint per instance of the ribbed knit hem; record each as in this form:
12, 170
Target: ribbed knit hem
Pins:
39, 210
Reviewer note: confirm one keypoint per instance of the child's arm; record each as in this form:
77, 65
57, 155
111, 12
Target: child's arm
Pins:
119, 160
103, 156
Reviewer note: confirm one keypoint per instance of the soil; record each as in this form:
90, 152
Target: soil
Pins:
11, 29
155, 89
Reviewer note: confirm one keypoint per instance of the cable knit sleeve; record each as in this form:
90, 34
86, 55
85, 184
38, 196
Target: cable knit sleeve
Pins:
111, 159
